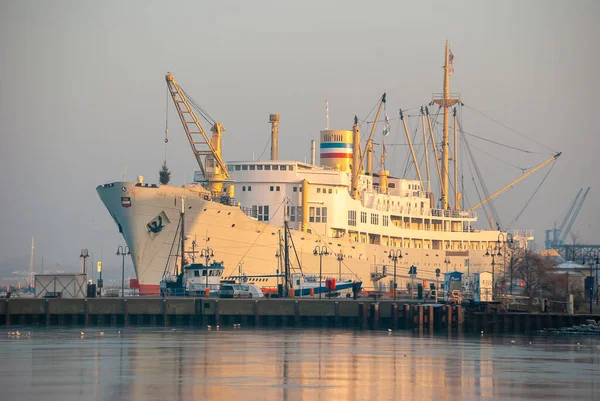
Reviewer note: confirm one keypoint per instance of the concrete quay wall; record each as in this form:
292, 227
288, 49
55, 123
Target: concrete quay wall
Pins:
343, 313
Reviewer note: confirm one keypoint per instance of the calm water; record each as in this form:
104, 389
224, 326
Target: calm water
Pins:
246, 364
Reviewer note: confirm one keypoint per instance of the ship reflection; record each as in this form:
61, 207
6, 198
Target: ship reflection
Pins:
325, 365
298, 365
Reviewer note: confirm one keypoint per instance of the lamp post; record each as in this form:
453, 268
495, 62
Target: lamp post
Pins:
447, 262
207, 253
394, 255
100, 282
340, 258
320, 250
84, 255
493, 254
122, 251
503, 236
596, 256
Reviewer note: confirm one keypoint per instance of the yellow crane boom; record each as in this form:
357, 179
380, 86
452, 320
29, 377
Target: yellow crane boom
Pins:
213, 168
521, 178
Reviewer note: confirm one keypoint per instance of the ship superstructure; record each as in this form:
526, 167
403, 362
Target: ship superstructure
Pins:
239, 208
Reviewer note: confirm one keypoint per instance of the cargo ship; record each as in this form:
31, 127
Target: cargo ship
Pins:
346, 220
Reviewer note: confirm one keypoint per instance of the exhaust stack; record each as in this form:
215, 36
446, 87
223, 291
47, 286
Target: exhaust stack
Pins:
313, 152
274, 120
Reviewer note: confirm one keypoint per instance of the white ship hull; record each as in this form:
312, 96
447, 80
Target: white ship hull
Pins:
238, 239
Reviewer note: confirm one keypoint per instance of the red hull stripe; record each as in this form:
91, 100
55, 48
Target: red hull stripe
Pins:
336, 155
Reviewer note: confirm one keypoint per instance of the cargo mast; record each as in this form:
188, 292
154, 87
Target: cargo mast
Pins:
446, 101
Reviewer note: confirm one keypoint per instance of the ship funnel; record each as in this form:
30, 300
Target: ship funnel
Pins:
274, 120
140, 179
313, 152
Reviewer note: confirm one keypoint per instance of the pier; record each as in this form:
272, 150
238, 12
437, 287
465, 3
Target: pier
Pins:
346, 314
198, 312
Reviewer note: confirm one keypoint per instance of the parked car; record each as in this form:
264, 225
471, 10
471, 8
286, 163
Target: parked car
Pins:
240, 291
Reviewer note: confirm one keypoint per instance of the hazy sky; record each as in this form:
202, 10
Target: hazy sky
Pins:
82, 91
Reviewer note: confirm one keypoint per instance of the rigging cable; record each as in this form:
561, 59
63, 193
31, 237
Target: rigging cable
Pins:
511, 129
534, 193
502, 144
490, 204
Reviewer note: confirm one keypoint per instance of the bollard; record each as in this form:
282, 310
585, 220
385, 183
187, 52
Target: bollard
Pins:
392, 294
312, 292
291, 293
207, 292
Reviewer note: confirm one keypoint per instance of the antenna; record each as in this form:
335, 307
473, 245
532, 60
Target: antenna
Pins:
31, 263
327, 114
124, 171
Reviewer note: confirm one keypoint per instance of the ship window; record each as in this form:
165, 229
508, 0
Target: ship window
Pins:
386, 220
318, 216
238, 167
300, 189
275, 167
278, 188
318, 190
311, 214
374, 219
291, 213
203, 273
263, 213
330, 191
391, 185
259, 167
351, 217
245, 167
295, 189
249, 188
252, 167
271, 188
324, 215
299, 213
363, 217
282, 168
267, 167
196, 273
243, 188
291, 168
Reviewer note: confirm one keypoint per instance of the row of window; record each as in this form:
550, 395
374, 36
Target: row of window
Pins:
260, 167
210, 273
261, 212
324, 190
363, 218
317, 215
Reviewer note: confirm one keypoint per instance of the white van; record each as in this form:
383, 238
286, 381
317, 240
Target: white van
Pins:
240, 291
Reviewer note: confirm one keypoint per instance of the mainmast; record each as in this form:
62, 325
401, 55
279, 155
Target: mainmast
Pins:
446, 101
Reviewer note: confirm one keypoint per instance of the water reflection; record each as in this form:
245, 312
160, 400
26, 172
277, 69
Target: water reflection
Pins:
151, 364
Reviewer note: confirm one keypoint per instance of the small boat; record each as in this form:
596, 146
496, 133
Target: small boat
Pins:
194, 280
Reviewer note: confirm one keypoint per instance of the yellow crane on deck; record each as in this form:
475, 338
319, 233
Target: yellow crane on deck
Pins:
212, 167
